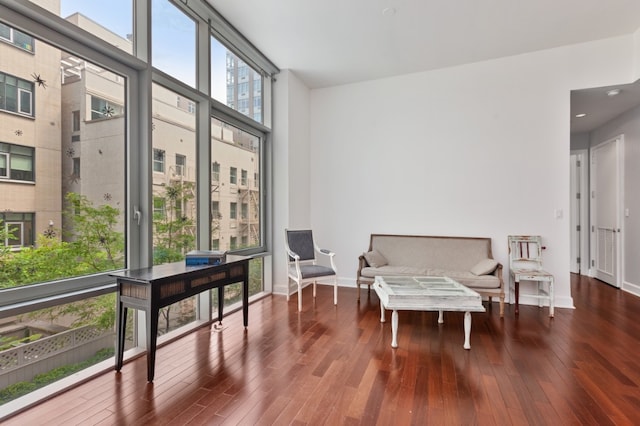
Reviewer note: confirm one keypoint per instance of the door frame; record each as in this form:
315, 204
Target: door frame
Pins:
582, 217
620, 209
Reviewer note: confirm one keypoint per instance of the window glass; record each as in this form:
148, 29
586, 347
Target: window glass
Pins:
17, 230
233, 149
112, 22
174, 183
72, 218
215, 171
75, 118
15, 37
235, 83
181, 165
103, 108
4, 165
16, 162
174, 192
16, 94
158, 160
173, 41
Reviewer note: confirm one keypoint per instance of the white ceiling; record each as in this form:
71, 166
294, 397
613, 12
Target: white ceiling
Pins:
333, 42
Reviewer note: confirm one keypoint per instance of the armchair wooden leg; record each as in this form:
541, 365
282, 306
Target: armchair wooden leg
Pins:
299, 297
335, 292
358, 283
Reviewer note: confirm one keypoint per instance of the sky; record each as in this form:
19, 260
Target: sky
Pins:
173, 47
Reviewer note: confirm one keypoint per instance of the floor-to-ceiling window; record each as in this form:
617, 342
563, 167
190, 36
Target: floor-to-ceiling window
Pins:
113, 154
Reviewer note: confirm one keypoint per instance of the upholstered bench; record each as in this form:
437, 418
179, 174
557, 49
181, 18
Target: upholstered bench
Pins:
467, 260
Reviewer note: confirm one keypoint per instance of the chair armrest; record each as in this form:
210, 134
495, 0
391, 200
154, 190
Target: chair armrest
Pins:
362, 263
326, 252
293, 255
498, 273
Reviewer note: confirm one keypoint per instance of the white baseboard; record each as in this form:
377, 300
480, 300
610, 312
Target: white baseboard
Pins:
631, 288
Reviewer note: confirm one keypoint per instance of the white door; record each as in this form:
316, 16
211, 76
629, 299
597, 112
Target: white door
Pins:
605, 198
575, 225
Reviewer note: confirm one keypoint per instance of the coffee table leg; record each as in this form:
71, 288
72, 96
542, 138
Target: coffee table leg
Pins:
440, 317
467, 330
382, 313
394, 329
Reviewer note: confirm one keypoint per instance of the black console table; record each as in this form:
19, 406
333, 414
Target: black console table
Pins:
149, 289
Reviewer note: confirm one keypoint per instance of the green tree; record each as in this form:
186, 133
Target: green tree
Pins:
91, 244
94, 235
173, 228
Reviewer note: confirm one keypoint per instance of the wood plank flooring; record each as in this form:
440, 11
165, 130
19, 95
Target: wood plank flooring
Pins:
335, 365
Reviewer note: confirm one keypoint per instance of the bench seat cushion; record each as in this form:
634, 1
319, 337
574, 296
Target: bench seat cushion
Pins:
463, 277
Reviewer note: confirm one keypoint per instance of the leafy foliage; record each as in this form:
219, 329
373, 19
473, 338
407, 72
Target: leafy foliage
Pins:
174, 231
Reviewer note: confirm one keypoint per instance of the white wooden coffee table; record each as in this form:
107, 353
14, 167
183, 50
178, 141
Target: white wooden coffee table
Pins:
426, 294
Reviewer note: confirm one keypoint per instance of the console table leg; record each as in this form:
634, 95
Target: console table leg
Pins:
467, 330
152, 339
394, 329
122, 327
440, 317
245, 302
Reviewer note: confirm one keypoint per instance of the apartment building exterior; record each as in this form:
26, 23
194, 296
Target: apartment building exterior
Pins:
30, 137
80, 107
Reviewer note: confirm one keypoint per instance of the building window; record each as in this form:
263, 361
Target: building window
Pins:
230, 95
215, 210
159, 208
18, 229
243, 177
244, 211
158, 160
76, 167
16, 162
244, 241
16, 95
215, 171
233, 244
243, 72
75, 120
233, 211
102, 108
15, 37
255, 180
243, 90
215, 244
4, 165
181, 165
233, 175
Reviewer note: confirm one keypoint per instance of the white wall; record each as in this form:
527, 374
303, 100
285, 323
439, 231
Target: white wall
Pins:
291, 198
475, 150
627, 124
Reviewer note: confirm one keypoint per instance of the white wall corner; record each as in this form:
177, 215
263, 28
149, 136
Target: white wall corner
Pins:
291, 205
636, 55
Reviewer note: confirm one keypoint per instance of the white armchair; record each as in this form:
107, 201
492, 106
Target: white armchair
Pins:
301, 263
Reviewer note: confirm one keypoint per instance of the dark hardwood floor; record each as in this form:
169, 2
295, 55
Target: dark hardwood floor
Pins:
334, 365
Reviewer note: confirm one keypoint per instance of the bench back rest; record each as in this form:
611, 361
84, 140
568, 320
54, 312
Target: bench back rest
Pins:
449, 253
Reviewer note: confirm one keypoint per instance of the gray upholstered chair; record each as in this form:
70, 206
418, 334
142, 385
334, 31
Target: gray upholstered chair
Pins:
301, 263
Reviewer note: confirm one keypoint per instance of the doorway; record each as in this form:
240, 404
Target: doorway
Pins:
606, 207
